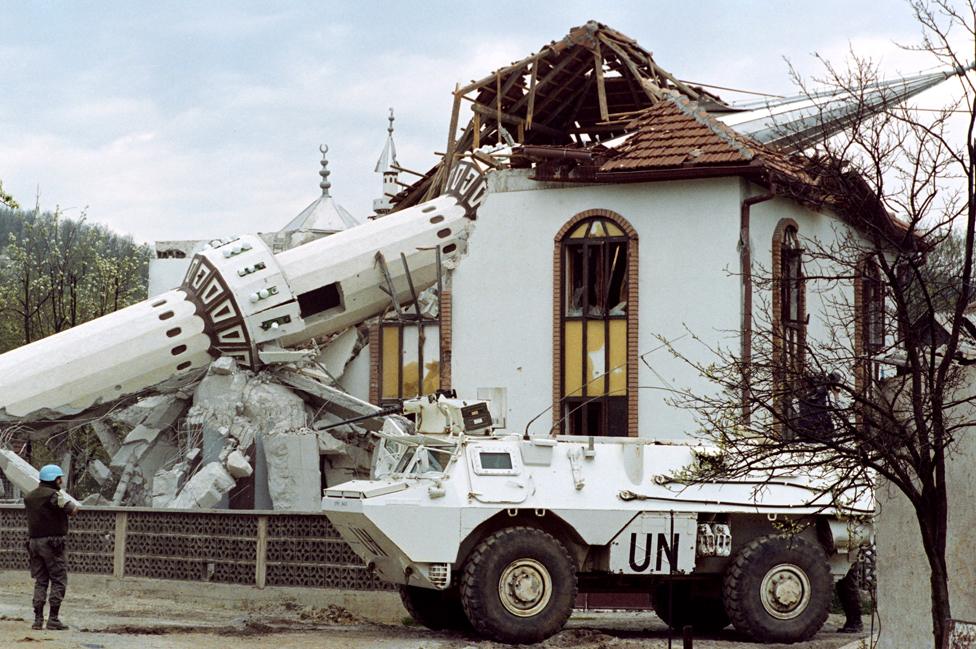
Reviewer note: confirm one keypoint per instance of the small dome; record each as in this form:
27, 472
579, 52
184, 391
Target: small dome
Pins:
324, 216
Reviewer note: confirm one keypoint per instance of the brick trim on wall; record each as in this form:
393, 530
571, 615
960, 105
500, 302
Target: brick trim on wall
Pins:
374, 362
633, 272
446, 321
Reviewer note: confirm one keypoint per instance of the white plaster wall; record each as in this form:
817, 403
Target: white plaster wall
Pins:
821, 297
903, 572
689, 282
503, 288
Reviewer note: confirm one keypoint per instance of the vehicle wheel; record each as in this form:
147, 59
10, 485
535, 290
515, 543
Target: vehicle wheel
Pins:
703, 613
435, 609
519, 586
778, 589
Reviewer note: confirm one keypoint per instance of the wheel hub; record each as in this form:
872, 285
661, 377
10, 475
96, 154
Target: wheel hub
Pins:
525, 587
785, 591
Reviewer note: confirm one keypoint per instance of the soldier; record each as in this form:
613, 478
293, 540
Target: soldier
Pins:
48, 509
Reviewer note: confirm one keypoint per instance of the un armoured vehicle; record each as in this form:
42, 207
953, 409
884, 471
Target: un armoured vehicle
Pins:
499, 532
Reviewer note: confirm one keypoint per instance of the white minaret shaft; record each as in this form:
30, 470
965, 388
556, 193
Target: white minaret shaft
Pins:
237, 296
387, 165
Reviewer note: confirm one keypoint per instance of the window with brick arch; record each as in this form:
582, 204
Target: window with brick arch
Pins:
872, 314
594, 321
790, 319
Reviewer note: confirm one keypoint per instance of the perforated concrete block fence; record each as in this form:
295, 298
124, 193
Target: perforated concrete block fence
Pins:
256, 548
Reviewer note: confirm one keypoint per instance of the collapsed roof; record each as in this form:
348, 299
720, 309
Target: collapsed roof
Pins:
584, 88
678, 139
598, 86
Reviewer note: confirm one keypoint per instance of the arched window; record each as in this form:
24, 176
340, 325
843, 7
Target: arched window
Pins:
870, 332
789, 317
596, 326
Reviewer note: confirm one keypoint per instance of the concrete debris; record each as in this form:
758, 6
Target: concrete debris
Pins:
339, 352
219, 397
205, 489
136, 444
21, 474
237, 465
429, 303
137, 413
274, 408
186, 448
315, 383
356, 378
166, 484
224, 366
106, 435
294, 477
96, 500
99, 472
123, 484
165, 413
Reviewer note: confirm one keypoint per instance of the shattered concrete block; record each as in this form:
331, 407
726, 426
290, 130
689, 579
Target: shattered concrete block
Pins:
205, 489
273, 407
165, 413
136, 414
166, 483
244, 431
96, 500
18, 471
356, 378
429, 303
99, 472
136, 444
109, 440
237, 465
345, 405
163, 453
21, 474
329, 445
294, 477
339, 352
224, 365
219, 397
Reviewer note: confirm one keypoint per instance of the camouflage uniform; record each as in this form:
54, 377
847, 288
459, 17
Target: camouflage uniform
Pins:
47, 522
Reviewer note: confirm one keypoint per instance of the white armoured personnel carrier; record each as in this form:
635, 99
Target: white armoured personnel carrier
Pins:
500, 532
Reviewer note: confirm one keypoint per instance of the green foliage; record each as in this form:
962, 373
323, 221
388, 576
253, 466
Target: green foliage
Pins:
56, 273
7, 199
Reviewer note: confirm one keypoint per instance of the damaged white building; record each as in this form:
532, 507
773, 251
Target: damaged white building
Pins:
592, 206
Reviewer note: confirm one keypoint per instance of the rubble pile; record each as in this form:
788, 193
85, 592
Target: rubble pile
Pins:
237, 438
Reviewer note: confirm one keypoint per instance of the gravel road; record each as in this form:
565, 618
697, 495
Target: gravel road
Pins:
129, 618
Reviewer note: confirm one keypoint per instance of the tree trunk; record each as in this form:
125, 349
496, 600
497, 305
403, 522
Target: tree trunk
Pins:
933, 524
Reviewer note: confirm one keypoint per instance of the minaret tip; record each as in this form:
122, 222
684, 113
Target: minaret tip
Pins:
324, 172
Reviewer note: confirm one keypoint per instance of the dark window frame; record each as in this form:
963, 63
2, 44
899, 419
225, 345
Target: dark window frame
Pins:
607, 413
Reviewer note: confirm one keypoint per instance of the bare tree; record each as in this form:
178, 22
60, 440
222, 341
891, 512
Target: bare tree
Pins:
890, 338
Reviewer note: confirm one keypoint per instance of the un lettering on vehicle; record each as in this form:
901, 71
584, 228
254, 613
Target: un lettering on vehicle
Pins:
652, 543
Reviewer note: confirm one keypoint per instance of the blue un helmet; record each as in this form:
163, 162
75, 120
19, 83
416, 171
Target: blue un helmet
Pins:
50, 473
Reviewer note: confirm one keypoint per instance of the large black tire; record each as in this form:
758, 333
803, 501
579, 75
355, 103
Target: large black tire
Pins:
519, 586
435, 609
702, 612
778, 589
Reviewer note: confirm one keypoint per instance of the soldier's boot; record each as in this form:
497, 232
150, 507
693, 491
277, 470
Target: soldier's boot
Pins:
53, 623
38, 618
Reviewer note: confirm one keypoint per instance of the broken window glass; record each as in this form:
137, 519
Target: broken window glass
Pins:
594, 328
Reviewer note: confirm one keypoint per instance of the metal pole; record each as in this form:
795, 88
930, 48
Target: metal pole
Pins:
670, 583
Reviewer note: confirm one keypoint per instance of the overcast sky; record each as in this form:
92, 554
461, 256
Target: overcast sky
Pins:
178, 120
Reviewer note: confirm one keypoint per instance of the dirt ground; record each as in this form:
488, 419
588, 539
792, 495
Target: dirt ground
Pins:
130, 617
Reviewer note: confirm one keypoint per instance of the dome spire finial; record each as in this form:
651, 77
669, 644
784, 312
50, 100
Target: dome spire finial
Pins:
389, 129
325, 184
